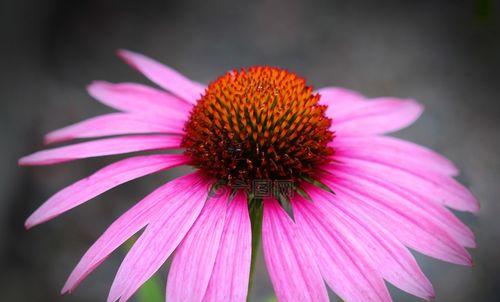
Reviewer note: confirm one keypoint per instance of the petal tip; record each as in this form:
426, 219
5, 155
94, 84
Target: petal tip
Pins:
474, 205
419, 107
430, 293
53, 137
65, 290
23, 161
126, 56
28, 225
30, 222
96, 85
468, 261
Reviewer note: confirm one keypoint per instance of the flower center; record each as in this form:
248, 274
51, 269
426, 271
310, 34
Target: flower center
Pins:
260, 123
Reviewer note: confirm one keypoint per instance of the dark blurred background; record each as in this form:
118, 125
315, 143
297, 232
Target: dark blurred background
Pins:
446, 54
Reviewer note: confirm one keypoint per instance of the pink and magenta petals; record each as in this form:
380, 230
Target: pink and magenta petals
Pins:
441, 188
409, 224
164, 76
345, 269
393, 152
377, 116
102, 181
133, 97
103, 147
117, 124
290, 262
194, 259
430, 208
230, 276
123, 228
166, 229
372, 242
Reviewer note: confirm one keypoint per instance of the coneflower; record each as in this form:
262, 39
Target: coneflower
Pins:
310, 171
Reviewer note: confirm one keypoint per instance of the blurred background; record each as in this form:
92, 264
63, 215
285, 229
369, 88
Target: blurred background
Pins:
445, 54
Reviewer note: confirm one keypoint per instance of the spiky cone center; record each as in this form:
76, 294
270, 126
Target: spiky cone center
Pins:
259, 123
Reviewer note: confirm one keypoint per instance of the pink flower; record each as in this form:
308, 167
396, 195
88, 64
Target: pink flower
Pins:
358, 199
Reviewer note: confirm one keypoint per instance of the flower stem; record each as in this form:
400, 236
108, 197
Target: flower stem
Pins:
256, 211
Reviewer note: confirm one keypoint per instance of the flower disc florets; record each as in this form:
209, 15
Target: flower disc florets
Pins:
260, 123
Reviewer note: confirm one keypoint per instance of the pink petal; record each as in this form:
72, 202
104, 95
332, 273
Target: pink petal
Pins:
103, 147
229, 281
195, 257
377, 116
164, 76
344, 267
393, 152
290, 262
430, 208
408, 223
116, 124
166, 230
125, 227
132, 97
107, 178
372, 242
340, 100
442, 189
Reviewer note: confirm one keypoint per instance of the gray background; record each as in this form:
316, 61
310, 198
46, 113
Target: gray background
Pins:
446, 55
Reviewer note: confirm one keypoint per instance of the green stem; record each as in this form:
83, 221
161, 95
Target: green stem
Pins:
256, 211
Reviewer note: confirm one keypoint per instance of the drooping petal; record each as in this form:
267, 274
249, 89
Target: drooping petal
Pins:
163, 234
133, 97
443, 189
291, 265
125, 227
408, 223
344, 268
103, 147
229, 281
394, 152
371, 242
195, 257
427, 206
164, 76
101, 181
377, 116
340, 100
116, 124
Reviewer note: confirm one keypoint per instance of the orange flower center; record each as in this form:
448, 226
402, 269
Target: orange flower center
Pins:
260, 123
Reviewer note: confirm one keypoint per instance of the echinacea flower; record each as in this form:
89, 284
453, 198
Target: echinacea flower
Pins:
336, 200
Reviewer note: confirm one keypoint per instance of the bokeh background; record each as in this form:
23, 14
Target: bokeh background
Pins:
446, 54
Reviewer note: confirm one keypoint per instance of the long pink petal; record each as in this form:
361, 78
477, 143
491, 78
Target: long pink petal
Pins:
123, 228
133, 97
340, 100
408, 223
290, 262
428, 207
195, 257
394, 152
103, 147
164, 76
344, 267
443, 189
105, 179
373, 243
166, 230
116, 124
229, 281
377, 116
